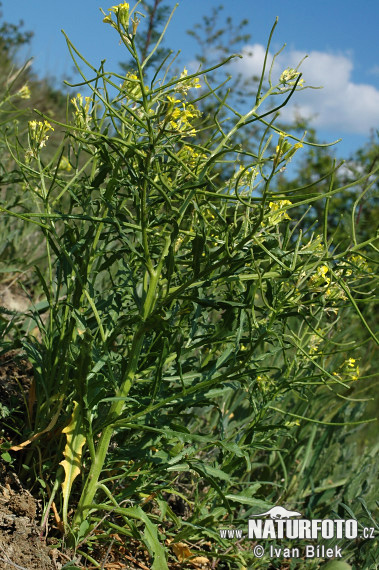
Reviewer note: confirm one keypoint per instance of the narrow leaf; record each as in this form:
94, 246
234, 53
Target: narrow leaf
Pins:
152, 542
73, 454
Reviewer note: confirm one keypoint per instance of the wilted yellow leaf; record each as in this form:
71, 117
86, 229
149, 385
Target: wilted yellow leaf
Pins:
36, 435
73, 451
181, 551
200, 562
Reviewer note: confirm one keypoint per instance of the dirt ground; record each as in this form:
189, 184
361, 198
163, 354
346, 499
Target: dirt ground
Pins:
20, 543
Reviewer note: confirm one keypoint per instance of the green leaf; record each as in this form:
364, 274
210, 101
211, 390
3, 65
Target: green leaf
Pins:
83, 530
249, 501
6, 457
209, 473
232, 447
212, 471
230, 349
336, 565
179, 467
43, 283
10, 269
151, 540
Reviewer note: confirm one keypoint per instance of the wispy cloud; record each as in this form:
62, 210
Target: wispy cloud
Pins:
342, 104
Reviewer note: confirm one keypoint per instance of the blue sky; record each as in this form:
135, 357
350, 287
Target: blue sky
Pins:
340, 37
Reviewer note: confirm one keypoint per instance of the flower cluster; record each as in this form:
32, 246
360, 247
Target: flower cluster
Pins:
335, 292
314, 342
190, 155
82, 111
180, 114
348, 370
285, 150
24, 92
277, 212
122, 14
186, 84
38, 136
320, 278
132, 86
264, 382
289, 77
245, 177
321, 282
360, 262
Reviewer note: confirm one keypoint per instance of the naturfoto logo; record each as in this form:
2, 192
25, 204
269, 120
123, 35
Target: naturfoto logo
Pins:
280, 523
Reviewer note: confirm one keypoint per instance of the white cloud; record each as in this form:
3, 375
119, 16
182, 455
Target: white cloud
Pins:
252, 62
341, 105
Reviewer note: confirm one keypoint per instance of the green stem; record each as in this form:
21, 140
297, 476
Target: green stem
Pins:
92, 482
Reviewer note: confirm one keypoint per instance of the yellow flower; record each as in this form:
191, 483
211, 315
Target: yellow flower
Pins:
132, 86
24, 92
320, 279
284, 149
292, 424
360, 262
176, 113
64, 164
123, 6
37, 137
322, 270
122, 13
275, 216
191, 156
82, 110
173, 100
179, 117
264, 383
289, 77
313, 343
78, 103
348, 370
185, 86
335, 292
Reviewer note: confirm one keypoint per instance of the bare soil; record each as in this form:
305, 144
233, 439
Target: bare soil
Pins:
20, 543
